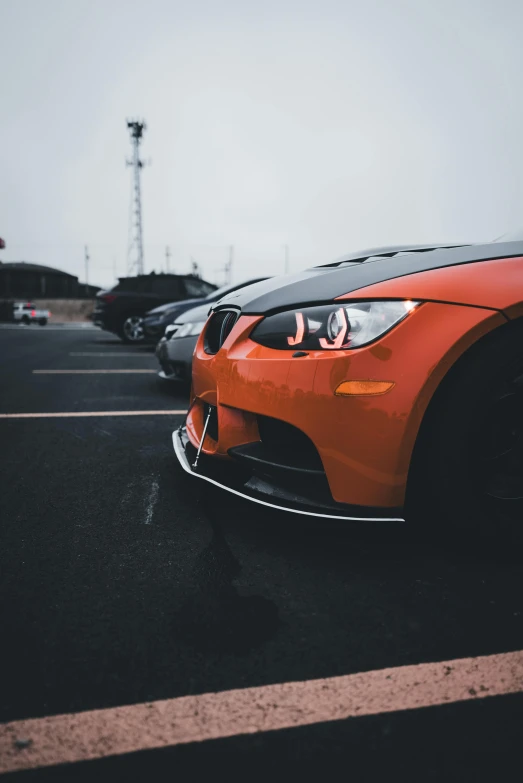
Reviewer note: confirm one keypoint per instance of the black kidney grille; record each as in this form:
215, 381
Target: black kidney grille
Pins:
218, 329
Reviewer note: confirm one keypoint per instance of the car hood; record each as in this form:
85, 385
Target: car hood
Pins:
322, 284
162, 309
195, 314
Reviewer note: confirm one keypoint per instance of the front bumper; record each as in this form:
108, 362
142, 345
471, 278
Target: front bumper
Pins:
175, 361
365, 444
253, 485
153, 331
99, 319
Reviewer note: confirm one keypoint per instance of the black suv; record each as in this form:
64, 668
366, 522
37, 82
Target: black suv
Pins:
121, 309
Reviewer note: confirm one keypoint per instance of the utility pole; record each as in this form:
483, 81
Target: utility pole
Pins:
167, 259
195, 269
86, 260
286, 259
135, 261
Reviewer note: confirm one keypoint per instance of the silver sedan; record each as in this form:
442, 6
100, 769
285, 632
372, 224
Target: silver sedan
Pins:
175, 349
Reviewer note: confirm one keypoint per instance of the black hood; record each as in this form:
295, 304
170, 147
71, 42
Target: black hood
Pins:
322, 284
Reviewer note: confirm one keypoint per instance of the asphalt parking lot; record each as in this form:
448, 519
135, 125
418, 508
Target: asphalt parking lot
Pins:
125, 582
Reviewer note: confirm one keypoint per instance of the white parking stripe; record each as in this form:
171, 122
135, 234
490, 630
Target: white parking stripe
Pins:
41, 742
151, 501
91, 372
83, 414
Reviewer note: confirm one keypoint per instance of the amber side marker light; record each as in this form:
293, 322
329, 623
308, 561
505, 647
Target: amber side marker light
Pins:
359, 388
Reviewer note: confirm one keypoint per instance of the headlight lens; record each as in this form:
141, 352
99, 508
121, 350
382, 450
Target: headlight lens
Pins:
331, 327
186, 330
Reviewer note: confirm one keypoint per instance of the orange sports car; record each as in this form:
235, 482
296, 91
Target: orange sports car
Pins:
354, 389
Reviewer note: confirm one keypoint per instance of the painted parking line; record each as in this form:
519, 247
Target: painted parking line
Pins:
83, 414
92, 372
58, 739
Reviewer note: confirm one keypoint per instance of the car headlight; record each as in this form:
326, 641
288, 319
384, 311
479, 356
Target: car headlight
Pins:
186, 330
331, 327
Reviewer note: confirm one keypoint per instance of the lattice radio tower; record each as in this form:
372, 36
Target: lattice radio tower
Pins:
135, 244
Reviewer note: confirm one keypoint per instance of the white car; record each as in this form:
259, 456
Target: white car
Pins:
26, 313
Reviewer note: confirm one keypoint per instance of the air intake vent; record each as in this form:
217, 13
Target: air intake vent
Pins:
218, 329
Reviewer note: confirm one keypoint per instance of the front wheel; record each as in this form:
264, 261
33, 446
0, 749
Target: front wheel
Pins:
468, 464
131, 330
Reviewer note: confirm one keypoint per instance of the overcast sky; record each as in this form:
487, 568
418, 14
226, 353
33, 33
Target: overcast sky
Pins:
326, 126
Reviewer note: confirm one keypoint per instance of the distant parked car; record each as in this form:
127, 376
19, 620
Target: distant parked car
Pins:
121, 309
27, 313
156, 321
175, 349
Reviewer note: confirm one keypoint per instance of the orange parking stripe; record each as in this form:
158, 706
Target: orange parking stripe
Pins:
58, 739
82, 414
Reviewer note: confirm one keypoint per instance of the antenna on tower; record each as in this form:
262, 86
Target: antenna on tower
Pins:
135, 248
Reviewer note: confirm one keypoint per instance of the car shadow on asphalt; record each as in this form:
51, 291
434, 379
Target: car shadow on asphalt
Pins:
412, 540
147, 348
106, 341
353, 595
216, 617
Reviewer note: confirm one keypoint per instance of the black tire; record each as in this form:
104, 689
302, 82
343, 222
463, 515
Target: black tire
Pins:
42, 321
467, 469
26, 320
131, 329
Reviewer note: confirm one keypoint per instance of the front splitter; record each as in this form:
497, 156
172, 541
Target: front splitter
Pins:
179, 443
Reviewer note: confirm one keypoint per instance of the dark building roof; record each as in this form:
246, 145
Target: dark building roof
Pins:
25, 266
32, 281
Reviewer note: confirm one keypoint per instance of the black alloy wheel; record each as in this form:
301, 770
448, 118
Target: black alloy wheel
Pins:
132, 329
466, 474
